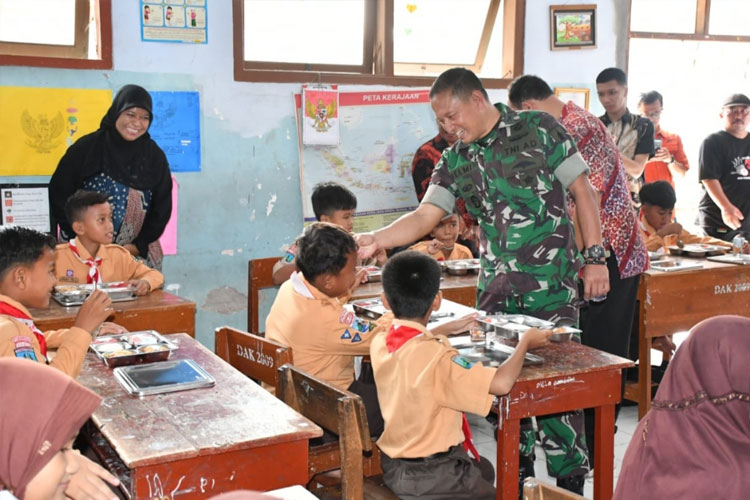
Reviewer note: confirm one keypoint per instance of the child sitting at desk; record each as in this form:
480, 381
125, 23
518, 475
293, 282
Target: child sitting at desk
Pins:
425, 385
90, 215
26, 280
332, 203
443, 245
657, 213
308, 314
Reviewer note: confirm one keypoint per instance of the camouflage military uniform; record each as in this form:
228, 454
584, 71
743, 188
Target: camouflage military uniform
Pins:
513, 181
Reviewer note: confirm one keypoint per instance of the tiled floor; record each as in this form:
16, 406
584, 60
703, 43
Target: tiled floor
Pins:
487, 446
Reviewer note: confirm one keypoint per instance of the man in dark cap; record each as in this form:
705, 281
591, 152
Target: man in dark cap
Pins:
724, 209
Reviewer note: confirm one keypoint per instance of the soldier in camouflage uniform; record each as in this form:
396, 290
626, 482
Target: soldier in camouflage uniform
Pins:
512, 170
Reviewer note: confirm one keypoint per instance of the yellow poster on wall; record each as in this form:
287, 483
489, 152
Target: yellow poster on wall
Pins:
38, 124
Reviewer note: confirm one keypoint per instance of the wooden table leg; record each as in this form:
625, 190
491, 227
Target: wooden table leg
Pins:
604, 451
644, 370
508, 439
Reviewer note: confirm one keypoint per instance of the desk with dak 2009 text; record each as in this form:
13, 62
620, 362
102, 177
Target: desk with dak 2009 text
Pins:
670, 302
573, 376
159, 310
196, 443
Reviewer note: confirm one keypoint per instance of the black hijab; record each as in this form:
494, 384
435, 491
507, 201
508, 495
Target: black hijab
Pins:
128, 162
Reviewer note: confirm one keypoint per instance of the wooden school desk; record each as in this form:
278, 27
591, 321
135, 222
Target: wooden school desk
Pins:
159, 310
461, 289
196, 444
670, 302
573, 376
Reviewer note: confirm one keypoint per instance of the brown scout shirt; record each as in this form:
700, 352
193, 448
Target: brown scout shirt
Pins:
117, 265
324, 336
17, 339
459, 251
423, 391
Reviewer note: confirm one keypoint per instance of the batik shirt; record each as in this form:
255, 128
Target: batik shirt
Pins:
620, 230
633, 135
513, 181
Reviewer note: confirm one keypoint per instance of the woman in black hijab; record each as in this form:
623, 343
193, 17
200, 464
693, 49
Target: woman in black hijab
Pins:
120, 159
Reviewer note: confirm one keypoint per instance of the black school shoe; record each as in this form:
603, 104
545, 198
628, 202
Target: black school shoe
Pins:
572, 483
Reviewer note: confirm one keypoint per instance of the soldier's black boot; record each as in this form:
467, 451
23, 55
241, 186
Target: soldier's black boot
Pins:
525, 469
572, 483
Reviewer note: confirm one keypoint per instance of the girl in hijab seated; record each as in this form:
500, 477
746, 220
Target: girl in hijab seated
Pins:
41, 410
694, 443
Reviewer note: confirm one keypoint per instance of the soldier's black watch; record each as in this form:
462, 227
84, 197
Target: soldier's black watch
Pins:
594, 254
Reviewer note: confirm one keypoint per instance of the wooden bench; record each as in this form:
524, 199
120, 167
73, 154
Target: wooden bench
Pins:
259, 276
342, 413
254, 356
534, 489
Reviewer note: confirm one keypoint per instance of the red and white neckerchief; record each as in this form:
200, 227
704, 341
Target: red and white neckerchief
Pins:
397, 336
94, 275
8, 310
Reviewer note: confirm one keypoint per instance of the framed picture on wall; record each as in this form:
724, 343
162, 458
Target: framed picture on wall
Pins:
572, 26
579, 96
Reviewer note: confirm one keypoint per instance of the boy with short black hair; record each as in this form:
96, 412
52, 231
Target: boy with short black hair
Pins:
308, 314
657, 219
26, 280
425, 385
444, 243
90, 215
332, 203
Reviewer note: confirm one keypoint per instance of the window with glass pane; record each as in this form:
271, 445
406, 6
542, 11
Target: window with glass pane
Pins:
421, 45
59, 33
50, 22
663, 16
304, 32
729, 17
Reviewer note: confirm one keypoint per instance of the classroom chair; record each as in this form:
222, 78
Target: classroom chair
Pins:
342, 413
254, 356
259, 276
534, 489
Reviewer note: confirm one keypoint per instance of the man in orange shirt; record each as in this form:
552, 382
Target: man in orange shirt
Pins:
670, 160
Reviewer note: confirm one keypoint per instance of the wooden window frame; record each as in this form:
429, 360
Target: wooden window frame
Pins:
703, 11
378, 52
58, 56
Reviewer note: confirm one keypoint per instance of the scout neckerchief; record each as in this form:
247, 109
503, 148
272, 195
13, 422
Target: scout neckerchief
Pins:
397, 336
94, 275
8, 310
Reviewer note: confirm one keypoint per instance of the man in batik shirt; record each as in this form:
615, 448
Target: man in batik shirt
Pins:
513, 170
606, 324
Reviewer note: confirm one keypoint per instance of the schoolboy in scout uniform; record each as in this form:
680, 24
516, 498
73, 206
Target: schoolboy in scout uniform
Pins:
90, 215
513, 170
424, 385
308, 314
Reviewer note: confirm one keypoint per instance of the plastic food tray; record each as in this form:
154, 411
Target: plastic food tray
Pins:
132, 348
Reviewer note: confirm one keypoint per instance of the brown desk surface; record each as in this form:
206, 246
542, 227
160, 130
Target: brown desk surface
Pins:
573, 376
159, 310
235, 414
669, 302
461, 289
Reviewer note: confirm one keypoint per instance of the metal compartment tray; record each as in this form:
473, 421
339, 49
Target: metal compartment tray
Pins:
675, 265
132, 348
697, 250
75, 295
732, 258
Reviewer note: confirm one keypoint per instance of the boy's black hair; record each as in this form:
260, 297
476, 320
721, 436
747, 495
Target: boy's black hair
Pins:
527, 87
323, 249
410, 282
80, 201
610, 74
22, 246
651, 97
460, 81
328, 197
659, 193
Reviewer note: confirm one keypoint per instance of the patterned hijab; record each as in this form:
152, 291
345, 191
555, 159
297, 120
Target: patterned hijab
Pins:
41, 409
694, 443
